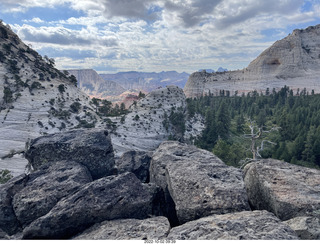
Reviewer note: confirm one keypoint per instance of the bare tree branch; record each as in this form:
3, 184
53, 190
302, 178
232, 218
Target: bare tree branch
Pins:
257, 133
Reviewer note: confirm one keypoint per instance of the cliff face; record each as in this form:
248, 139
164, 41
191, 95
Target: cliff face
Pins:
293, 61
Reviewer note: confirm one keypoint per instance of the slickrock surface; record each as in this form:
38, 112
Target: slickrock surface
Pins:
143, 128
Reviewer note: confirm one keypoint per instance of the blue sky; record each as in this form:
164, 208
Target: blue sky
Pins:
155, 35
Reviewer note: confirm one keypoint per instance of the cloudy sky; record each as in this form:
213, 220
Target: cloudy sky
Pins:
155, 35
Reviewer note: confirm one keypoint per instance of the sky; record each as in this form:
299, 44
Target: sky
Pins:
113, 36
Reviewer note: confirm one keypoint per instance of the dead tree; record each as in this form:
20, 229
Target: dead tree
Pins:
256, 133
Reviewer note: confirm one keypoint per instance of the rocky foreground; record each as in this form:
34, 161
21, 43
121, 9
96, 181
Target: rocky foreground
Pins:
79, 191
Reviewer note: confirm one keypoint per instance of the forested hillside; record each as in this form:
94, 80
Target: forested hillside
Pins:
287, 123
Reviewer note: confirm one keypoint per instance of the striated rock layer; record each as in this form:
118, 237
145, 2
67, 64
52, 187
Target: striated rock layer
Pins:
293, 61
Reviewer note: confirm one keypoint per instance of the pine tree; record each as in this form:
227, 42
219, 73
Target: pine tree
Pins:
223, 121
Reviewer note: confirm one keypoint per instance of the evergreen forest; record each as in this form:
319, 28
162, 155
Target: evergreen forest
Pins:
285, 123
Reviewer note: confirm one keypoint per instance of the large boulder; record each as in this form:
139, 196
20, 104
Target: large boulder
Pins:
137, 162
108, 198
285, 189
156, 228
247, 225
91, 148
198, 182
3, 235
307, 228
46, 187
8, 220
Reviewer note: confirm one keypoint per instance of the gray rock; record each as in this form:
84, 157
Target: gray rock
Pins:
199, 183
284, 189
8, 220
3, 235
46, 187
247, 225
137, 162
307, 228
156, 228
112, 197
91, 148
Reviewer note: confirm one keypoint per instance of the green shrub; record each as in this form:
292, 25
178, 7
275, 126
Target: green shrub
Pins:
35, 85
61, 88
5, 175
7, 95
75, 107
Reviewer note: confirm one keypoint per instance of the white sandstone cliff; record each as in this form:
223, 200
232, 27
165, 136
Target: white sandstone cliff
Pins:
293, 61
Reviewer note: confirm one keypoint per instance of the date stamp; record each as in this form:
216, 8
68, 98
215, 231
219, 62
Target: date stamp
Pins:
160, 241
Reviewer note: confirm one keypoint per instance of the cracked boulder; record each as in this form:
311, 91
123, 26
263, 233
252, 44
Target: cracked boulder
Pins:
112, 197
91, 148
137, 162
46, 187
8, 220
198, 182
284, 189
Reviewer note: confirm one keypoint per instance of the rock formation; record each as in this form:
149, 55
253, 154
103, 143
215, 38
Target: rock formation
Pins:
293, 61
189, 188
307, 228
285, 189
156, 228
91, 148
108, 198
44, 188
199, 183
246, 225
35, 99
135, 162
148, 123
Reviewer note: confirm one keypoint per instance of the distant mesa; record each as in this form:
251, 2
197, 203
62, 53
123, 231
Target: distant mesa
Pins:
125, 86
147, 81
92, 84
293, 61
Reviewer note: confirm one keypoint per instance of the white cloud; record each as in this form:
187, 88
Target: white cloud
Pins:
184, 35
64, 37
34, 20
